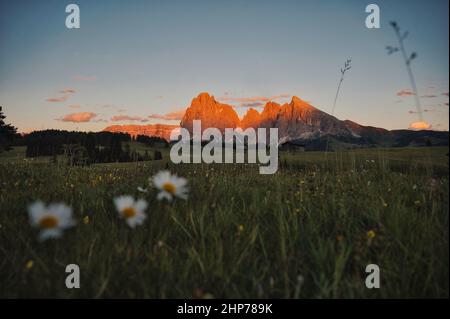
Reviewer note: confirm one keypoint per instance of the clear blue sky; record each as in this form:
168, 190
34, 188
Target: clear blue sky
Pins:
138, 58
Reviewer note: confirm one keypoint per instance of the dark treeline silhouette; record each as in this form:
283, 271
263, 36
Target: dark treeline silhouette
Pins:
8, 133
152, 141
82, 148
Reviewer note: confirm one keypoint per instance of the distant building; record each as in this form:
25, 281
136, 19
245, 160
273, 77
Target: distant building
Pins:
292, 146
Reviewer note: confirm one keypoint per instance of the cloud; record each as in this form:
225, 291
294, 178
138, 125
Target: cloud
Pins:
120, 118
429, 96
425, 111
446, 103
78, 117
120, 110
251, 104
253, 98
445, 93
280, 96
75, 106
171, 116
406, 92
57, 99
84, 78
67, 90
421, 125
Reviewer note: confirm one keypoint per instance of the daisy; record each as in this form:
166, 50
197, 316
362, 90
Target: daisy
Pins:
52, 220
131, 210
170, 185
142, 190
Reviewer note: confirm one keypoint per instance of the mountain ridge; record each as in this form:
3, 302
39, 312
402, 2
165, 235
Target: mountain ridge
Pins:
296, 121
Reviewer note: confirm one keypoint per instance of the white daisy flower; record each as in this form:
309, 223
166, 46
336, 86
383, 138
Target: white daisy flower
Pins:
142, 190
131, 210
52, 220
170, 185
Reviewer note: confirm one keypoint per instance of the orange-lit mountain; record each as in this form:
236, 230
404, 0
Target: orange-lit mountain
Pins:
212, 114
160, 130
296, 120
251, 119
299, 121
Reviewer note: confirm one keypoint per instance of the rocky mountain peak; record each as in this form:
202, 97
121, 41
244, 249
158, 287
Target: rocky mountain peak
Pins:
299, 103
203, 99
212, 114
251, 119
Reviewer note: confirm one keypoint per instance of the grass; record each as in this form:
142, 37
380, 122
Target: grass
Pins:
301, 233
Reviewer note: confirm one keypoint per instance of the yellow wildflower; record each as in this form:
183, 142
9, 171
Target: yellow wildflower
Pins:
371, 234
29, 264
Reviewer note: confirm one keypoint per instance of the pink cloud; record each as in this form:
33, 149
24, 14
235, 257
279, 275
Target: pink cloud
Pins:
445, 93
84, 78
57, 99
78, 117
421, 125
119, 118
171, 116
120, 110
429, 96
253, 98
67, 90
75, 106
424, 110
251, 104
406, 92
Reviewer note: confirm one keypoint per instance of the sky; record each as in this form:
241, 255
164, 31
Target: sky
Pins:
142, 62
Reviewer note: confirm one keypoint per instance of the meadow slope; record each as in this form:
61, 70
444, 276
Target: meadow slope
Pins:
306, 232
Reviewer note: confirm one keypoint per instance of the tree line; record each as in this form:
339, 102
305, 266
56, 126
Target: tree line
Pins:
83, 148
79, 148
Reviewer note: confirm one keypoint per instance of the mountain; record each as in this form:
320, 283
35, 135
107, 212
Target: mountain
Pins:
212, 113
296, 121
301, 122
251, 119
160, 130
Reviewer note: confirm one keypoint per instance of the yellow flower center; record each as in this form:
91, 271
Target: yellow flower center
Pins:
48, 222
371, 234
169, 187
129, 212
29, 264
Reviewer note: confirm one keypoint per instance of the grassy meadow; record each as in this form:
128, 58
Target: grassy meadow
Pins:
307, 231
